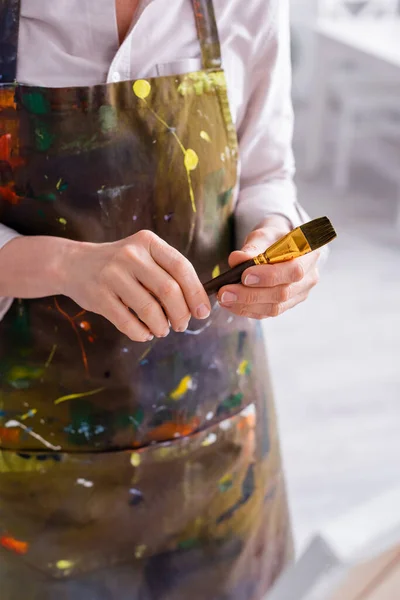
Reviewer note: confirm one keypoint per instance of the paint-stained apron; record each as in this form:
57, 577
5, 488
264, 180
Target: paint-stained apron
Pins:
131, 471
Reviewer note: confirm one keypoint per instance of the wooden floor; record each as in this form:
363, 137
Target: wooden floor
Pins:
336, 359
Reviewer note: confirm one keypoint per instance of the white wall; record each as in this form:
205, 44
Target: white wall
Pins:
303, 17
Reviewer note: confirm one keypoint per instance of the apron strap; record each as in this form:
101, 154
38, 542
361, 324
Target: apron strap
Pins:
9, 27
208, 33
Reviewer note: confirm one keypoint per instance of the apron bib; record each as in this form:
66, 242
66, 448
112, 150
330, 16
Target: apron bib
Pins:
127, 470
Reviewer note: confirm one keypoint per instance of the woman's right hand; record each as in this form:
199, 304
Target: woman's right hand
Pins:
142, 273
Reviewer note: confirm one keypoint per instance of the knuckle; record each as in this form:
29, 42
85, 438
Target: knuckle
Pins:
147, 311
128, 252
145, 236
284, 294
181, 267
298, 272
275, 310
252, 297
271, 279
169, 288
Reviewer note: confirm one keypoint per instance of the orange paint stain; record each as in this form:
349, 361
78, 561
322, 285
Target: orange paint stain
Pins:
169, 431
10, 434
8, 194
15, 545
7, 99
85, 325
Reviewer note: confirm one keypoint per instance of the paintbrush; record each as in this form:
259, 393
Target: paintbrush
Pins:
300, 241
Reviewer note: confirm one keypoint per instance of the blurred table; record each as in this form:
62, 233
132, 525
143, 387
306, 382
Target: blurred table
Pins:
371, 44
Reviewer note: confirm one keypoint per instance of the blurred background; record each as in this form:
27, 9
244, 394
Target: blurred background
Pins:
339, 409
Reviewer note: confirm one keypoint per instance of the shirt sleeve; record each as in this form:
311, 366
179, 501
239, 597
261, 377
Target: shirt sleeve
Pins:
265, 133
6, 235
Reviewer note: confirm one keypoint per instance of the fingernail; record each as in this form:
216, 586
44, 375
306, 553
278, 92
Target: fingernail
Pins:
203, 311
182, 328
228, 298
252, 280
150, 338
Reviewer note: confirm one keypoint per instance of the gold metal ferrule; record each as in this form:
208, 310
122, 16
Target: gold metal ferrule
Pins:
293, 245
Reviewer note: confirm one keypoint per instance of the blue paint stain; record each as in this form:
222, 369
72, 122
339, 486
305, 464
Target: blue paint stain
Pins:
135, 497
248, 487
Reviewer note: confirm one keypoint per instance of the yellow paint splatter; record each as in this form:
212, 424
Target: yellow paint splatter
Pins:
216, 272
204, 136
136, 459
184, 385
30, 413
243, 368
64, 565
52, 353
75, 396
191, 159
62, 221
142, 88
140, 550
58, 185
210, 439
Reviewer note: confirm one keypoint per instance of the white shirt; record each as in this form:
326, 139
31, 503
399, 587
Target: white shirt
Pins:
75, 42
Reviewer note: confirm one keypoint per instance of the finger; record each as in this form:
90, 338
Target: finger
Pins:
146, 307
182, 271
169, 293
241, 294
256, 243
284, 273
114, 311
265, 311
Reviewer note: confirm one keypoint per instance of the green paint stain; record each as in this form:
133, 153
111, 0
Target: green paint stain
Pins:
41, 214
187, 544
20, 330
225, 484
137, 418
36, 103
47, 197
108, 119
231, 403
43, 137
21, 377
224, 198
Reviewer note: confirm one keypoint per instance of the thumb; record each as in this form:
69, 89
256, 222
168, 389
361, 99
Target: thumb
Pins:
256, 243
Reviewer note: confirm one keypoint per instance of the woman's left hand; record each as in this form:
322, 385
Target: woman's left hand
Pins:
269, 290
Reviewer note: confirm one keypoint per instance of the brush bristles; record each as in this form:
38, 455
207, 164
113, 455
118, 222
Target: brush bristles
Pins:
318, 232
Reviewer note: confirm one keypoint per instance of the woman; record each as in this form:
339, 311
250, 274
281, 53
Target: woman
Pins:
139, 452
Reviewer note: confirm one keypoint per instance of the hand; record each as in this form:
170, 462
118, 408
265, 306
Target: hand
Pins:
142, 273
269, 290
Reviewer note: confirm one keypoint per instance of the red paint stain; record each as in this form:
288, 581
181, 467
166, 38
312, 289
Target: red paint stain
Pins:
14, 545
91, 339
198, 9
5, 147
10, 434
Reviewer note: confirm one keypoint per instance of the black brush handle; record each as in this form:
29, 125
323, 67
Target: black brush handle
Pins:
228, 278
